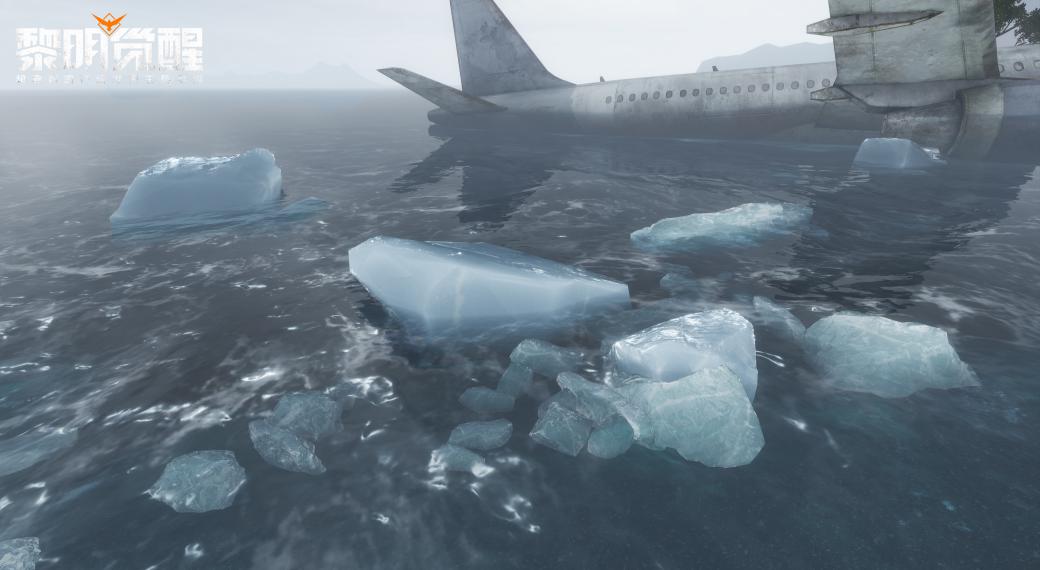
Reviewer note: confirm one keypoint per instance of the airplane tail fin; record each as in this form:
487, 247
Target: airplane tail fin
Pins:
444, 96
493, 58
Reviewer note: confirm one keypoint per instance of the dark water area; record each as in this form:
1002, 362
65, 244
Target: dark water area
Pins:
157, 346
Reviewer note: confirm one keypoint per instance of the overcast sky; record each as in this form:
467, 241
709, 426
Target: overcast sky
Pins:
576, 39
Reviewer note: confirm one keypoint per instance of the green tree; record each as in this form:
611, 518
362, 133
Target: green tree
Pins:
1014, 16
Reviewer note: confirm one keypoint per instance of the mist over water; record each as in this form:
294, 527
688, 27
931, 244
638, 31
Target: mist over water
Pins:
157, 345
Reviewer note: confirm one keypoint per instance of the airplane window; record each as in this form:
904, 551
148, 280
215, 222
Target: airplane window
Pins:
631, 97
723, 90
794, 85
709, 91
736, 89
609, 99
780, 86
750, 88
1019, 66
668, 95
810, 84
657, 94
697, 92
682, 93
765, 87
1002, 68
1036, 64
644, 96
826, 82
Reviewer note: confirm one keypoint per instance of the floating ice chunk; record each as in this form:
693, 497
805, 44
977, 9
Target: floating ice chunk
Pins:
454, 458
682, 346
181, 187
23, 451
284, 449
487, 401
308, 414
896, 154
706, 417
516, 380
439, 284
562, 430
741, 225
772, 315
19, 553
599, 403
482, 436
612, 439
884, 357
546, 359
200, 482
564, 398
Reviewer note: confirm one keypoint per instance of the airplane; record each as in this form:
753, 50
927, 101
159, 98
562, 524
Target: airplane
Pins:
925, 70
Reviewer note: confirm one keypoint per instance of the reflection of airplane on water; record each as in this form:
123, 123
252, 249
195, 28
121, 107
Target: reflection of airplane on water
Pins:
927, 70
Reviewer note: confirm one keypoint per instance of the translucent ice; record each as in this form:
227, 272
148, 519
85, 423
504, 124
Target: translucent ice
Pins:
562, 429
189, 186
897, 154
772, 315
487, 401
600, 403
454, 458
200, 482
439, 284
682, 346
706, 417
741, 225
516, 380
308, 414
284, 449
611, 439
23, 451
19, 553
482, 436
564, 398
884, 357
546, 359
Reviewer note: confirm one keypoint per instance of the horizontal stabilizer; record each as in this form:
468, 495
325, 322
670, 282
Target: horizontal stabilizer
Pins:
448, 98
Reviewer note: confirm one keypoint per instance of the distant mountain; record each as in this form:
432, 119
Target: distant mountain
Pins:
321, 76
769, 55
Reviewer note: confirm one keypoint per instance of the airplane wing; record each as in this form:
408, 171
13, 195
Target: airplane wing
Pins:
444, 96
911, 41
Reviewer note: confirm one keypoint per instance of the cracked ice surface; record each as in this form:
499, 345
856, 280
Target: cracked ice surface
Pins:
200, 482
19, 553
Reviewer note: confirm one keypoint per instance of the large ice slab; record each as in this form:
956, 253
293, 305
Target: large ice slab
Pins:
895, 154
200, 482
891, 359
482, 436
742, 225
706, 417
23, 451
545, 358
562, 429
682, 346
191, 186
284, 449
19, 553
441, 284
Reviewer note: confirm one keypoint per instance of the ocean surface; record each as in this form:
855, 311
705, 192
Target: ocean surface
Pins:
156, 345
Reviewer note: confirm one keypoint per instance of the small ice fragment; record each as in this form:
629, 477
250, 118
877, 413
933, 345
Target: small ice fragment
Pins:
23, 451
441, 284
19, 553
772, 315
600, 403
284, 449
546, 359
482, 436
682, 346
454, 458
706, 417
562, 430
200, 482
189, 186
887, 358
612, 439
896, 154
487, 401
309, 415
516, 380
742, 225
565, 398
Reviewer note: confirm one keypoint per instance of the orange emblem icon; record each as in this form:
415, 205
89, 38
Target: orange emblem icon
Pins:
109, 23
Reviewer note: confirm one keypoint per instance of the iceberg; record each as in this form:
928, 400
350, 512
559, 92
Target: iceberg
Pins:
487, 401
200, 482
562, 430
19, 553
895, 154
284, 449
887, 358
546, 359
308, 414
192, 186
782, 320
23, 451
743, 225
482, 436
612, 439
516, 380
705, 417
445, 285
682, 346
454, 458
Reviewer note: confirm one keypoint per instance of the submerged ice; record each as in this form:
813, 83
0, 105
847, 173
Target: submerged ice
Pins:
487, 401
896, 154
441, 284
482, 436
191, 186
778, 318
284, 449
23, 451
454, 458
19, 553
887, 358
545, 358
287, 439
200, 482
741, 225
